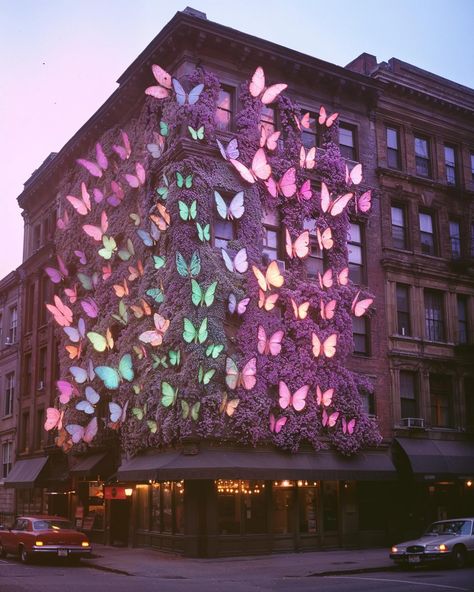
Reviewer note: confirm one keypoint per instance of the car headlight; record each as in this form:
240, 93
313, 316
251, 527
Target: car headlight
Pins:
398, 549
39, 543
441, 548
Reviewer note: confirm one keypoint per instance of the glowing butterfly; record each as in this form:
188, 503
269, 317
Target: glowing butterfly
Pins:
359, 307
326, 348
155, 336
125, 150
81, 375
229, 151
258, 89
117, 414
327, 310
204, 232
236, 208
205, 376
122, 316
299, 248
286, 186
268, 140
300, 312
325, 280
201, 297
196, 134
88, 404
112, 377
269, 345
325, 240
118, 194
71, 293
157, 147
354, 177
161, 91
336, 206
296, 400
121, 290
271, 278
159, 261
162, 219
54, 419
238, 307
86, 433
138, 179
109, 247
139, 412
168, 394
191, 270
363, 203
323, 118
187, 212
276, 425
156, 294
181, 181
57, 275
307, 159
267, 302
304, 122
190, 411
259, 170
228, 406
67, 390
81, 256
239, 264
244, 378
214, 350
174, 357
324, 399
75, 334
82, 205
64, 222
329, 420
187, 99
143, 309
164, 128
97, 232
62, 314
343, 277
304, 193
348, 426
194, 334
95, 168
101, 342
136, 272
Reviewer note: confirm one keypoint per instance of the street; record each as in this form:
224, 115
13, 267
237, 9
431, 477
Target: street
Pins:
57, 577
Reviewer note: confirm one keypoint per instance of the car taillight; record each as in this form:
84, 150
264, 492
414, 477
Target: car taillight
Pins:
443, 547
85, 543
39, 543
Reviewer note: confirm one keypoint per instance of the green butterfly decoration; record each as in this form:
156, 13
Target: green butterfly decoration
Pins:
205, 376
192, 333
201, 297
174, 357
214, 350
158, 261
164, 128
88, 282
109, 247
139, 412
152, 426
122, 316
101, 342
191, 412
156, 294
191, 270
112, 377
196, 134
157, 361
187, 212
186, 182
137, 389
204, 232
126, 252
135, 218
163, 190
168, 394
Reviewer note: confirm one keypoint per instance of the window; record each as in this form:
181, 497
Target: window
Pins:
46, 295
267, 119
368, 402
271, 235
441, 400
224, 109
472, 239
7, 454
427, 234
408, 394
30, 301
399, 234
434, 316
12, 334
403, 309
9, 393
347, 143
354, 247
43, 357
27, 373
469, 402
463, 335
25, 428
1, 330
314, 262
393, 148
309, 136
39, 428
450, 164
472, 166
224, 231
455, 239
360, 335
36, 237
422, 157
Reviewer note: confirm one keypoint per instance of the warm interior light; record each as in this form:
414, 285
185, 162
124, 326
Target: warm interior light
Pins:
285, 483
85, 543
39, 543
469, 483
128, 491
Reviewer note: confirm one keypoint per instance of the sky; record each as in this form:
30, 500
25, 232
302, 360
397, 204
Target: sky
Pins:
60, 59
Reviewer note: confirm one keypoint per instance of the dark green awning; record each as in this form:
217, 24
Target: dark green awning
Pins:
26, 472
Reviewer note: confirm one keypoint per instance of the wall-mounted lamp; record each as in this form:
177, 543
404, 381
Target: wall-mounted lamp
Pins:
128, 491
469, 483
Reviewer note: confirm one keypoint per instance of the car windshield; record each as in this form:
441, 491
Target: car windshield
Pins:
51, 525
451, 527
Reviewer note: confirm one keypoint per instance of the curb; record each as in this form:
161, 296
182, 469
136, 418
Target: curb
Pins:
359, 570
104, 568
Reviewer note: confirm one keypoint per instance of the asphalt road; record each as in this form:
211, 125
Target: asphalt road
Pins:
56, 577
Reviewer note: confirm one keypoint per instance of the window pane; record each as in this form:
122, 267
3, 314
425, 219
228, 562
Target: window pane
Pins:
167, 506
403, 310
359, 334
224, 110
421, 147
283, 500
449, 155
392, 138
254, 506
155, 507
346, 137
228, 507
441, 400
426, 222
455, 238
308, 503
434, 316
398, 217
472, 166
267, 119
408, 394
462, 320
308, 135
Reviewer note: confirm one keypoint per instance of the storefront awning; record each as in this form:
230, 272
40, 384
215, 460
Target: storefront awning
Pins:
89, 465
220, 463
26, 472
439, 459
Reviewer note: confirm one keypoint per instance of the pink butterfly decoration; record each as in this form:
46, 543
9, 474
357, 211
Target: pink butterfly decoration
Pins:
62, 314
118, 193
239, 264
138, 179
304, 193
98, 195
297, 400
97, 232
277, 424
359, 307
238, 307
364, 202
125, 150
64, 222
86, 433
95, 168
259, 169
348, 426
269, 345
257, 87
81, 256
54, 419
90, 307
286, 186
324, 399
57, 275
71, 293
336, 206
82, 204
330, 420
229, 151
354, 177
67, 390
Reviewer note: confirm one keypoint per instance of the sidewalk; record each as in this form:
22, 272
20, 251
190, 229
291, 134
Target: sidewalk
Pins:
150, 563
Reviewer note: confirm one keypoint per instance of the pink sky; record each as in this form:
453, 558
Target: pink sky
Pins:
60, 60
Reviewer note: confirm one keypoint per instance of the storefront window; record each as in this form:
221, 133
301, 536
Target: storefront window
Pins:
143, 506
308, 507
155, 507
167, 506
330, 518
228, 507
283, 503
254, 506
178, 494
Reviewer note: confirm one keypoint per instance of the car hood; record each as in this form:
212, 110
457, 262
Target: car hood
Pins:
427, 540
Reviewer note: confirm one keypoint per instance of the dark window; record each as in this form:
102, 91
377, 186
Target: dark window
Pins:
39, 428
427, 234
283, 508
314, 262
408, 394
399, 230
356, 256
1, 330
463, 335
27, 373
271, 235
472, 166
422, 157
469, 401
224, 231
393, 148
45, 287
441, 400
455, 239
450, 164
268, 119
30, 301
224, 109
12, 333
434, 316
156, 507
347, 141
9, 393
7, 455
309, 136
360, 335
25, 429
368, 402
403, 309
43, 362
36, 237
472, 239
309, 509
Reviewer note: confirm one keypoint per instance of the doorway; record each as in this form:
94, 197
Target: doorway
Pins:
119, 522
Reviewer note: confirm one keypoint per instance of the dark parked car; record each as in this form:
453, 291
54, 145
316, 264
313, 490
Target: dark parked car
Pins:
447, 540
34, 536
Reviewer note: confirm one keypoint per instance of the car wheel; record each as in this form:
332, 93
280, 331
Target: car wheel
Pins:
459, 557
3, 552
24, 556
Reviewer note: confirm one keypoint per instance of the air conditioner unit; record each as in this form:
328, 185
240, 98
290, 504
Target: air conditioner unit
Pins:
40, 386
281, 265
412, 422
